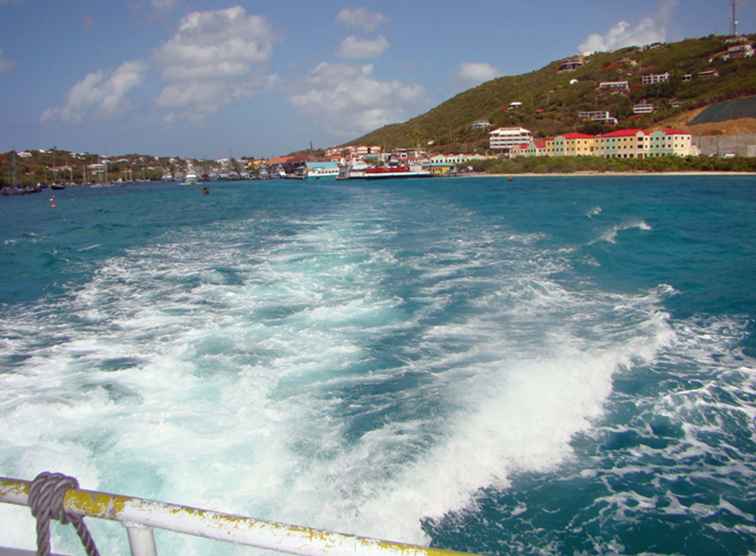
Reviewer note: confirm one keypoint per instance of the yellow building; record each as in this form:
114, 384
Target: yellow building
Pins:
574, 144
623, 143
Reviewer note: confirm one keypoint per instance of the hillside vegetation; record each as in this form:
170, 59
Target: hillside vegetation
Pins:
551, 103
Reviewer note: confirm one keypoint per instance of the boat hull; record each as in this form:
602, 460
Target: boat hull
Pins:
387, 175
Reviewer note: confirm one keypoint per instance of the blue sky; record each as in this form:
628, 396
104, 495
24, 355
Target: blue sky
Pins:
214, 78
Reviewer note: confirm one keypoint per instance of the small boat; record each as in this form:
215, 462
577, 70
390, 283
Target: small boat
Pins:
57, 186
190, 179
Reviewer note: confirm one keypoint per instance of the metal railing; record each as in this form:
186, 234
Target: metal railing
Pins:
140, 516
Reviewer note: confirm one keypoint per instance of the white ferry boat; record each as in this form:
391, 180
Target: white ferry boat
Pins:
321, 170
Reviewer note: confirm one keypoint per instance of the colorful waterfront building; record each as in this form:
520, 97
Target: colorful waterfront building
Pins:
574, 144
537, 147
670, 142
623, 143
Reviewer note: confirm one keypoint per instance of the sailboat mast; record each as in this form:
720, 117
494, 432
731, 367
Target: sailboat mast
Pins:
13, 168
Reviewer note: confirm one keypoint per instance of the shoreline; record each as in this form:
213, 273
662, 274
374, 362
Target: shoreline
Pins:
604, 174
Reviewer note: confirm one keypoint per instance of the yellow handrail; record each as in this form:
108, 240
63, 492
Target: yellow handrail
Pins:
282, 537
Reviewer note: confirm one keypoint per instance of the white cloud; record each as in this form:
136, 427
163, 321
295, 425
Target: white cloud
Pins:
211, 61
357, 48
348, 99
623, 34
477, 72
6, 64
361, 18
99, 94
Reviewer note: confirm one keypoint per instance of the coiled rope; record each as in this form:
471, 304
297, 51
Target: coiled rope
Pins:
46, 500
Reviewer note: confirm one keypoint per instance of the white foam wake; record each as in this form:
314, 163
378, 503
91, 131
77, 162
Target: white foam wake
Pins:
321, 377
611, 234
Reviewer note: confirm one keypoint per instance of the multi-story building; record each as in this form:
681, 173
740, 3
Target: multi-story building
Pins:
670, 142
537, 147
623, 143
574, 144
505, 138
654, 78
615, 86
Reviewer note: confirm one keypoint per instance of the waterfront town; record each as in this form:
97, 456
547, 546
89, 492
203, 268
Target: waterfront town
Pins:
630, 97
347, 162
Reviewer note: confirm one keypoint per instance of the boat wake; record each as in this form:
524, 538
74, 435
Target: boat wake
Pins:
610, 235
351, 371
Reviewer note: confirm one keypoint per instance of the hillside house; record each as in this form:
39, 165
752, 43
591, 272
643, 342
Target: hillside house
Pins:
654, 78
601, 116
571, 64
480, 124
643, 108
615, 86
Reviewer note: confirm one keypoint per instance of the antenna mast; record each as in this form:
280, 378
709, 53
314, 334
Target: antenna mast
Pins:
734, 20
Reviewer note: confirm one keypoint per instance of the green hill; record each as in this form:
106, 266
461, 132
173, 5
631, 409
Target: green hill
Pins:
550, 103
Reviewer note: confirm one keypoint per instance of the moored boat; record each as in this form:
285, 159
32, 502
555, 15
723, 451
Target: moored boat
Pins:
382, 172
190, 179
321, 170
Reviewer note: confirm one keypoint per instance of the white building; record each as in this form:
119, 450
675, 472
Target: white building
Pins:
643, 108
654, 78
504, 138
480, 124
597, 116
614, 86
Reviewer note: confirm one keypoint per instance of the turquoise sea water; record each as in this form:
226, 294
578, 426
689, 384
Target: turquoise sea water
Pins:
560, 365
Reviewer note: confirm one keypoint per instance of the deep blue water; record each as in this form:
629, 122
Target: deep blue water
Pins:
560, 365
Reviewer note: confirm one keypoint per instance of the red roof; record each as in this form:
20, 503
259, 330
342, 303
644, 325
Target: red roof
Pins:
577, 136
280, 159
623, 133
540, 143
